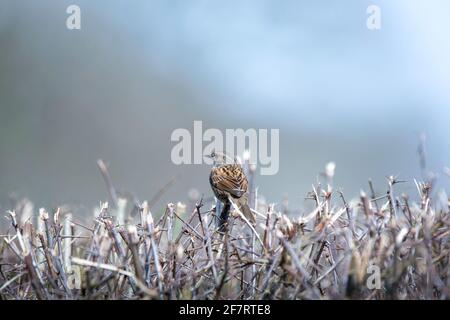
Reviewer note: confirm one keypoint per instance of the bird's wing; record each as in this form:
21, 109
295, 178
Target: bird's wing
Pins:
230, 179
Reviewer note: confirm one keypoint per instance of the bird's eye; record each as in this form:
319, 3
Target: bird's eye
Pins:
213, 154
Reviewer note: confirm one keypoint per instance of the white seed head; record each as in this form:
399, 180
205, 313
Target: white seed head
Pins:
43, 214
104, 206
132, 231
330, 169
181, 208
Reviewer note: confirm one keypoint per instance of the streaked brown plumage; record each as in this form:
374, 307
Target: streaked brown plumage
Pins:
229, 183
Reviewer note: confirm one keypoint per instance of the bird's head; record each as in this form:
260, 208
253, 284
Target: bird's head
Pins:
220, 158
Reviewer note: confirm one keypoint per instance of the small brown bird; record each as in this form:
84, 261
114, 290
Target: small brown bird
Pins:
229, 184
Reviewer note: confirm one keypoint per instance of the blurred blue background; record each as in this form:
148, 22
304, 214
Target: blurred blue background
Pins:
136, 71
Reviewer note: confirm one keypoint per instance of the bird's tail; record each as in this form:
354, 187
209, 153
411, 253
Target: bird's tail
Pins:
245, 209
242, 205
